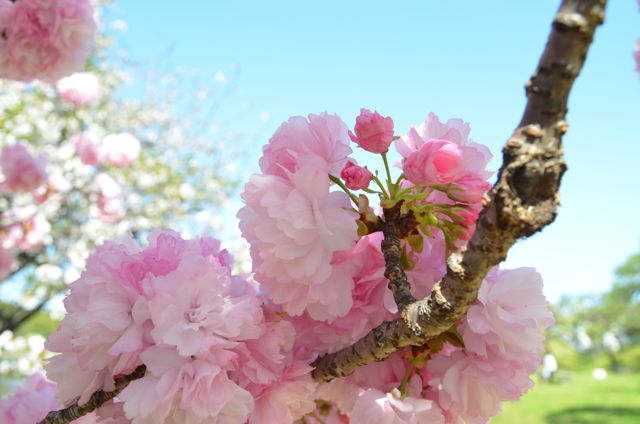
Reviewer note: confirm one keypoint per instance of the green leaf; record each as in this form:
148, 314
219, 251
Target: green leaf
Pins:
362, 228
454, 337
407, 263
416, 242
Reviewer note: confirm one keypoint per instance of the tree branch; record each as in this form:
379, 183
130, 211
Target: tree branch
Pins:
96, 400
522, 202
395, 227
13, 322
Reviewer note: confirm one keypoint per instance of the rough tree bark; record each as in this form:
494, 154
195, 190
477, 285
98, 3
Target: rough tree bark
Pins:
522, 202
97, 399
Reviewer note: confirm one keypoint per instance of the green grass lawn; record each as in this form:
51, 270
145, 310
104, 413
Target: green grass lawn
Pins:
581, 400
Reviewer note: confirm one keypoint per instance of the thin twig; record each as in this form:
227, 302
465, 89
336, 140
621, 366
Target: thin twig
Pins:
99, 398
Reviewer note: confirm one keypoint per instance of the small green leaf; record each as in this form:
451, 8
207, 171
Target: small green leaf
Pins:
416, 242
407, 263
362, 228
454, 337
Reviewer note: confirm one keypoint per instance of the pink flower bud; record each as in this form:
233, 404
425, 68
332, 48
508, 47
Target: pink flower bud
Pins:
374, 132
355, 176
435, 162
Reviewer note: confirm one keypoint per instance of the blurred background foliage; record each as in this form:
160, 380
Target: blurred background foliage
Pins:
185, 174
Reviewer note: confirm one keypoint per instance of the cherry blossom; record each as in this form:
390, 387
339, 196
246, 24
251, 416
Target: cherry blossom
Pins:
319, 141
22, 171
373, 132
45, 40
294, 226
79, 89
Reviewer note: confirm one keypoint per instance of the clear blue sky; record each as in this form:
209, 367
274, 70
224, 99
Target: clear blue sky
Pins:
465, 59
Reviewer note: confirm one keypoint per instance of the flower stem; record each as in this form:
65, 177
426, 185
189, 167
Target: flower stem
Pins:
386, 168
403, 385
340, 184
377, 180
399, 180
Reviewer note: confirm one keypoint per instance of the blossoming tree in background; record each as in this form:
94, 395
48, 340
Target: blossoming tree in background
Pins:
375, 297
80, 163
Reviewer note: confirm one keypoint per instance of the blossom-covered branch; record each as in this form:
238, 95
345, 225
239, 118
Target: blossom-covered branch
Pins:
98, 399
522, 202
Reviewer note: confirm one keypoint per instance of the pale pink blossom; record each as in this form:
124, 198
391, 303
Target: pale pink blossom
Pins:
325, 413
110, 204
244, 363
30, 231
193, 310
287, 399
37, 397
509, 318
356, 177
34, 232
294, 226
22, 171
264, 359
320, 141
179, 389
212, 351
383, 376
45, 39
376, 407
120, 149
469, 188
107, 322
372, 301
475, 156
434, 162
6, 263
429, 265
79, 89
30, 403
374, 132
87, 148
469, 387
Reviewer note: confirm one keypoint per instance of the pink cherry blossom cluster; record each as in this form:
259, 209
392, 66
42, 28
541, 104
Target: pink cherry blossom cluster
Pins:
442, 157
44, 39
212, 352
335, 298
118, 149
296, 224
303, 232
503, 336
218, 348
37, 397
21, 172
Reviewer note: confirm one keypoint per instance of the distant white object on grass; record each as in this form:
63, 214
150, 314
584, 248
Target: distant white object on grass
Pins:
599, 374
549, 366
